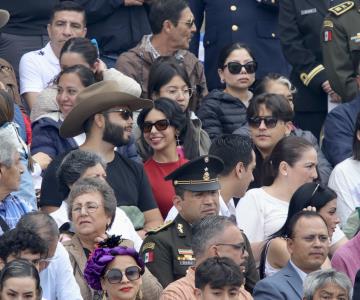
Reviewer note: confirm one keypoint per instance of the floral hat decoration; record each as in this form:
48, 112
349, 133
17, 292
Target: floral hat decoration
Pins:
104, 253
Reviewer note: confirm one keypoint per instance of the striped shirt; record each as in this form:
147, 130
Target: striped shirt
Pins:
11, 210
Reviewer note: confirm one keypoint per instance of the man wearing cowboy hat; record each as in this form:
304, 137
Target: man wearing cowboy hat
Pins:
104, 113
167, 250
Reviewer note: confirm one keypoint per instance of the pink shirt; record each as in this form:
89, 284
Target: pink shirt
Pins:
347, 258
183, 289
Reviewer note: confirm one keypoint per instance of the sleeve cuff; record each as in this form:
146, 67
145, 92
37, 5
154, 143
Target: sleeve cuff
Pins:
307, 78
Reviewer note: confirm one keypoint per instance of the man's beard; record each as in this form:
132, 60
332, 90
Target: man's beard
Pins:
114, 134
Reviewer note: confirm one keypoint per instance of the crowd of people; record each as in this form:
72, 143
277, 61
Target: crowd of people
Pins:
134, 167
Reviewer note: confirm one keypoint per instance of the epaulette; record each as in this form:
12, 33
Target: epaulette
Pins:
342, 8
161, 227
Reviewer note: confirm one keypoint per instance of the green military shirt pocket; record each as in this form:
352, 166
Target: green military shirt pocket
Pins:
354, 46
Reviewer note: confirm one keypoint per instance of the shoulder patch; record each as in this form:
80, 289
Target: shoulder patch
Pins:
328, 23
341, 8
161, 227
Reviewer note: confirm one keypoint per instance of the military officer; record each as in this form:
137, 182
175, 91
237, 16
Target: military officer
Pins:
167, 250
299, 28
341, 48
253, 22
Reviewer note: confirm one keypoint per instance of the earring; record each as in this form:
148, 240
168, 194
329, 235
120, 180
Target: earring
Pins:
179, 148
177, 140
104, 295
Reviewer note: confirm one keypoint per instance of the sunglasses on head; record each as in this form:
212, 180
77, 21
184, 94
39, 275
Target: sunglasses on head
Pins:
125, 113
270, 122
235, 67
160, 125
115, 275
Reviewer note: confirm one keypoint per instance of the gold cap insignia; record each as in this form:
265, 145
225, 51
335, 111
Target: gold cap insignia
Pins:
206, 175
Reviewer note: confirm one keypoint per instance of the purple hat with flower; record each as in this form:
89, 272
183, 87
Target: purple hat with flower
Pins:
100, 258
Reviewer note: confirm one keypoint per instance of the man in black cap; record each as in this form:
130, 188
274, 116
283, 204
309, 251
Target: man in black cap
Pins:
167, 250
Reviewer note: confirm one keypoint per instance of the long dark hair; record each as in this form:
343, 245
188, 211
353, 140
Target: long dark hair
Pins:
289, 149
85, 48
309, 194
85, 75
162, 71
227, 50
172, 110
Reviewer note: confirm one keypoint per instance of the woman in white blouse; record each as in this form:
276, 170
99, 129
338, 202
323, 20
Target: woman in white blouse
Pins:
263, 211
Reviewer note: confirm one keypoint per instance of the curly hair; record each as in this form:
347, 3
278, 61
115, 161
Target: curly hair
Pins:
100, 258
16, 240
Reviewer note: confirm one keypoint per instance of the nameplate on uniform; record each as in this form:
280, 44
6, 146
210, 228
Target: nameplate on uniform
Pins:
356, 38
308, 11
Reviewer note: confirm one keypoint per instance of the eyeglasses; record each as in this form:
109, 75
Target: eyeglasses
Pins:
160, 125
90, 207
115, 275
235, 67
176, 93
189, 23
125, 113
241, 246
270, 122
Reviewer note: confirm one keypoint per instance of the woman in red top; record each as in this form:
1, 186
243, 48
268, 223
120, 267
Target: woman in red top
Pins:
160, 128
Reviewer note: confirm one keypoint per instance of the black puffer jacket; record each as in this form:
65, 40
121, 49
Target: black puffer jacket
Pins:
221, 113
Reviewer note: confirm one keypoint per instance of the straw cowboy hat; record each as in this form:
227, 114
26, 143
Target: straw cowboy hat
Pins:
97, 98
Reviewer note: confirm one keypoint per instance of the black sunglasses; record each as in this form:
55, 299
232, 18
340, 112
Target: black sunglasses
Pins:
160, 125
235, 67
115, 275
270, 122
125, 113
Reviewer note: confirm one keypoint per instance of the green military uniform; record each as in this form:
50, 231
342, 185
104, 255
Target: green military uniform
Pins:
341, 48
167, 251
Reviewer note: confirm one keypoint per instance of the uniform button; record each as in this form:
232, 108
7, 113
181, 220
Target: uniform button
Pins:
273, 35
234, 28
233, 8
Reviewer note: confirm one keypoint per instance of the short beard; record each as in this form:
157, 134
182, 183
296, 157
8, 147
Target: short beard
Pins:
114, 134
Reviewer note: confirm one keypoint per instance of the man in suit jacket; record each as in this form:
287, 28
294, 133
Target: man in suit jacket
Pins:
308, 245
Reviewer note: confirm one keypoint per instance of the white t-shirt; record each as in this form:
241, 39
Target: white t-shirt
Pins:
260, 214
57, 280
345, 181
37, 69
